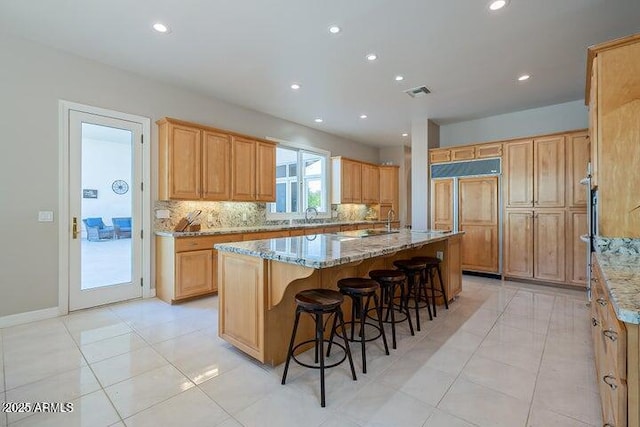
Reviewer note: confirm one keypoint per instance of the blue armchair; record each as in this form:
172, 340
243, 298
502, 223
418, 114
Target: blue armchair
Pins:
122, 227
96, 230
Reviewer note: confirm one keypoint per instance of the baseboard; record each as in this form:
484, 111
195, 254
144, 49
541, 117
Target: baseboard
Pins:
29, 316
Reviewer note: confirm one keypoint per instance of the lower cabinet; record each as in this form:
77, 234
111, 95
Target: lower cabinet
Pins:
617, 349
186, 267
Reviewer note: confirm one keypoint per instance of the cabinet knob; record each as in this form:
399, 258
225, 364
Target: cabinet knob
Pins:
602, 301
610, 380
594, 321
613, 336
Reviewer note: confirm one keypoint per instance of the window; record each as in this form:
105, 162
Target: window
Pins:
301, 182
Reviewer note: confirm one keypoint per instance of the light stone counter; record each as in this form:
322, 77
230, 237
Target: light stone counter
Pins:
259, 228
329, 250
621, 273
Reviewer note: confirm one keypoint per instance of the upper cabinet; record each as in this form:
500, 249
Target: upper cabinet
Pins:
577, 152
346, 181
518, 174
534, 173
613, 88
180, 161
201, 163
467, 152
389, 181
370, 184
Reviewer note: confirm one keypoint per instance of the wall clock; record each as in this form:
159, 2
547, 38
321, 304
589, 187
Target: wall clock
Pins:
120, 187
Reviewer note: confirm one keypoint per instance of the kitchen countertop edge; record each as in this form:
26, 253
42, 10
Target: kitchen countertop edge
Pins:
621, 274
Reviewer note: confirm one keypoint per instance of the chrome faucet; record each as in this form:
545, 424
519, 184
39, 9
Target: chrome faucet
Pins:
306, 213
390, 214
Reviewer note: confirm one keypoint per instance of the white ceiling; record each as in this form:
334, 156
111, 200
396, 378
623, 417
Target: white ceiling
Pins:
248, 52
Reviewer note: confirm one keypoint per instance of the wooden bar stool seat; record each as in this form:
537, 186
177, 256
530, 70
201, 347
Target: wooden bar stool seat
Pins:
317, 303
416, 288
390, 282
429, 275
362, 291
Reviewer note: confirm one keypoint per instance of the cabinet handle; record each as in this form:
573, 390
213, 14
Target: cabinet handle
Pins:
602, 301
74, 228
608, 425
610, 380
594, 321
612, 335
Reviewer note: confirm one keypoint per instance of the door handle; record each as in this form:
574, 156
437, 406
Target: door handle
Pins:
74, 229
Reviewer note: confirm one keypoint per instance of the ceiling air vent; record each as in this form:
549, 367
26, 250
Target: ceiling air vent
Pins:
417, 92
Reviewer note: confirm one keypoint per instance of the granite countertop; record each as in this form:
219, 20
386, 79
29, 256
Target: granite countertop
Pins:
622, 278
258, 228
329, 250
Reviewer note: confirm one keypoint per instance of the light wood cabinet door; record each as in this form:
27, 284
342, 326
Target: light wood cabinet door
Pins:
243, 181
439, 156
389, 185
463, 153
216, 167
193, 273
478, 218
577, 162
351, 181
266, 172
370, 184
619, 141
518, 243
488, 150
576, 248
442, 204
453, 265
594, 136
548, 170
549, 245
518, 174
184, 162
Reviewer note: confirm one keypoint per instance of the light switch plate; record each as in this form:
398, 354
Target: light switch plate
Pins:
163, 213
439, 255
45, 216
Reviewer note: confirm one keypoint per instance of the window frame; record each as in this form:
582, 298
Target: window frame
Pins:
326, 189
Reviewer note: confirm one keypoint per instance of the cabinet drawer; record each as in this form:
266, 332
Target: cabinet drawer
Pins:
332, 229
203, 242
490, 150
613, 394
300, 232
464, 153
439, 156
265, 235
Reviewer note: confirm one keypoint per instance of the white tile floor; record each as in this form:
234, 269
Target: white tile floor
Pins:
505, 354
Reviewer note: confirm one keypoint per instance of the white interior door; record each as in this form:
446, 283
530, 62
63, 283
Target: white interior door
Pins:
105, 206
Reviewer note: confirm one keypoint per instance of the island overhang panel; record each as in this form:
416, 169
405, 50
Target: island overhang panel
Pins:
258, 280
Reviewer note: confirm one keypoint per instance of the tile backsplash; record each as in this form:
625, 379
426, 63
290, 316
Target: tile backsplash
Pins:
242, 214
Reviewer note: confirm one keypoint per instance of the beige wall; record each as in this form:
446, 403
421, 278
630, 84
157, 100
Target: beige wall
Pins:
33, 79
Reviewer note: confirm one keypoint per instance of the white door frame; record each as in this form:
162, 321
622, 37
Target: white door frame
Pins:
64, 222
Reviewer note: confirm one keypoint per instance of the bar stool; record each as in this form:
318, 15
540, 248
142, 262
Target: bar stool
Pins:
319, 302
429, 274
413, 270
390, 281
361, 291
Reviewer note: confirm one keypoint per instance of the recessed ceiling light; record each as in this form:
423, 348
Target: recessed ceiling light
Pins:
295, 86
334, 29
372, 56
498, 4
363, 116
160, 27
405, 134
318, 120
524, 77
399, 78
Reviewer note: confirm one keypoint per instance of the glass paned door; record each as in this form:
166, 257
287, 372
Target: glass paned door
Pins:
105, 206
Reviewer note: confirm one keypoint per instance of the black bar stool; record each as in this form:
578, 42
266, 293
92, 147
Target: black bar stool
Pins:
361, 291
413, 269
429, 274
390, 281
319, 302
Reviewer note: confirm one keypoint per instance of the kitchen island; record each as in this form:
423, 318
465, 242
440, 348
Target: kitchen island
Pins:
258, 279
